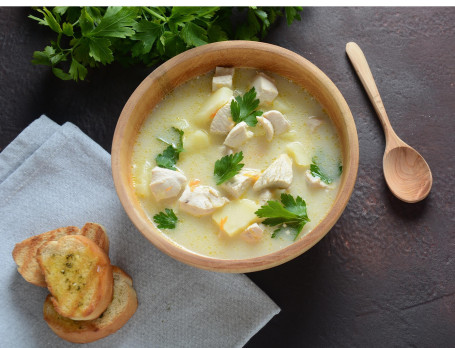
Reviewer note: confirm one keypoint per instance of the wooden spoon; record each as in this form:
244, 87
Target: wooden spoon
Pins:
406, 172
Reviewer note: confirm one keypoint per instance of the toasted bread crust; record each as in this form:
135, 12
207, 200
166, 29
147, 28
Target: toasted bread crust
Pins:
24, 253
119, 311
79, 276
96, 233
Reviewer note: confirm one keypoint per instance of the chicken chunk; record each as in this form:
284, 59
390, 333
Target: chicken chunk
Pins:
221, 81
266, 90
201, 200
265, 196
314, 123
268, 127
226, 150
240, 182
252, 234
222, 121
166, 183
221, 71
315, 181
238, 135
222, 78
279, 122
277, 175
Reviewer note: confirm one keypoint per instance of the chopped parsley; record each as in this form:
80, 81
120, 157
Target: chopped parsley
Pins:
227, 167
169, 157
244, 109
289, 215
318, 173
166, 219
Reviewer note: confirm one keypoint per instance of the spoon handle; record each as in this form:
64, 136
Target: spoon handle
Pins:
362, 69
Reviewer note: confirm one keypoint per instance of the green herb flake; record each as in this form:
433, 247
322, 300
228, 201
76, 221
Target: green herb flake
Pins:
290, 214
244, 108
169, 157
166, 219
227, 167
318, 173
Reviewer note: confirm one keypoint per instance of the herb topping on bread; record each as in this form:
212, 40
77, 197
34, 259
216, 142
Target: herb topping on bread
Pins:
24, 253
78, 274
119, 311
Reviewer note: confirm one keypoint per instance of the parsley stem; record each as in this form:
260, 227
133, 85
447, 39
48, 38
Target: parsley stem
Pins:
59, 38
154, 14
76, 43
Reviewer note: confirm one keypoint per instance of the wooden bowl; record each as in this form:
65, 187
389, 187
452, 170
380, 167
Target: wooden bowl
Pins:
199, 61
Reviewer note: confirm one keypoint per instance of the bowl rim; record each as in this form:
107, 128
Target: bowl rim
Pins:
156, 237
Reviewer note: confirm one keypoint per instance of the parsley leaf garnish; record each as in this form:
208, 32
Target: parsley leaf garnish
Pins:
169, 157
166, 219
318, 173
244, 109
290, 214
227, 167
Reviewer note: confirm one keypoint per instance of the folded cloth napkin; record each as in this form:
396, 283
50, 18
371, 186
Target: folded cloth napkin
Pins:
53, 176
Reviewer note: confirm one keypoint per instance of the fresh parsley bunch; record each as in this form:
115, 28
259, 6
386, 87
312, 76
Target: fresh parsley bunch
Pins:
90, 36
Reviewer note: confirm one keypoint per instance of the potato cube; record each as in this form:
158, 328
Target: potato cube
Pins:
235, 216
281, 105
142, 175
301, 156
289, 136
196, 141
213, 103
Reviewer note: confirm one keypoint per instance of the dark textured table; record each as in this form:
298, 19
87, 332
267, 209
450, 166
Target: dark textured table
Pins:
385, 274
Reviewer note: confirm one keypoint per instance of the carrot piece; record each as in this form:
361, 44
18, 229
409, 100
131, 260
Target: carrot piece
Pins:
213, 115
222, 222
193, 183
255, 177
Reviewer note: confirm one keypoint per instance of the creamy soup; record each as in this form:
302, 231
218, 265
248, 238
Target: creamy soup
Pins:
308, 138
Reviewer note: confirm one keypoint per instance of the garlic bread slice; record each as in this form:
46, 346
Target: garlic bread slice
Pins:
119, 311
24, 253
78, 274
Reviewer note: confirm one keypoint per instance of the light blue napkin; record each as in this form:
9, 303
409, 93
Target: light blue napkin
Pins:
53, 176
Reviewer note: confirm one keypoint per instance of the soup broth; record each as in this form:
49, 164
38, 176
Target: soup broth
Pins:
311, 136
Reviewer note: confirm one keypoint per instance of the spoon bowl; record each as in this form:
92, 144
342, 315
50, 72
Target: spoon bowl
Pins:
406, 172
